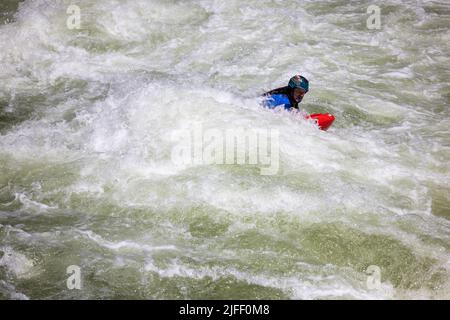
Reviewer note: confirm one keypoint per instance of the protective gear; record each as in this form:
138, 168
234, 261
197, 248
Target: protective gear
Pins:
299, 82
285, 95
277, 100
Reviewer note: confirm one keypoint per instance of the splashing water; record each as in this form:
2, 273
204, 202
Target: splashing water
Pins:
86, 176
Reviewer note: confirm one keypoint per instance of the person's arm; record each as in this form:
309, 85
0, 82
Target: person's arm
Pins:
277, 100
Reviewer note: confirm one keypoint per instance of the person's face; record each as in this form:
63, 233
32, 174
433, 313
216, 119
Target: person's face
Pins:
298, 94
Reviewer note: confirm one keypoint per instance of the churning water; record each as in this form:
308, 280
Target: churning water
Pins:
87, 177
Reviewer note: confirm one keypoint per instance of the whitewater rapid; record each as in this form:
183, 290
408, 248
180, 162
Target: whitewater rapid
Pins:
87, 176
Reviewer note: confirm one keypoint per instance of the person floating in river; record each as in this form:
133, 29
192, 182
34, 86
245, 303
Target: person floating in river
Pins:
289, 96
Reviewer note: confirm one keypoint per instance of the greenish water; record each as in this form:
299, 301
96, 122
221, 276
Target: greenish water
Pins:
7, 10
87, 177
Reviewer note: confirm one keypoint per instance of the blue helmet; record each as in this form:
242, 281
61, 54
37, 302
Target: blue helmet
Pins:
299, 82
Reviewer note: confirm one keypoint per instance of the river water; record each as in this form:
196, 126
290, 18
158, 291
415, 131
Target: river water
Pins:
87, 176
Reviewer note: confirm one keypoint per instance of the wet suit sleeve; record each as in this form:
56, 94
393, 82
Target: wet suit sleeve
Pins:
277, 100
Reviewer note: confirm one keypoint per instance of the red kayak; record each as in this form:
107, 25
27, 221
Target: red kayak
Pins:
324, 121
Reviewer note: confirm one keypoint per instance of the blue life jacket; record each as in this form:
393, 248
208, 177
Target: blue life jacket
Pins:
277, 100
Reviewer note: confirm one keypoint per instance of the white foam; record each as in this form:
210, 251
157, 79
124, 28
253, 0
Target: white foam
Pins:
16, 263
9, 290
301, 287
139, 70
130, 245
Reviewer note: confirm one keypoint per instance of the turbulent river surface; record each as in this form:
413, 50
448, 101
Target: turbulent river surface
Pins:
87, 176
